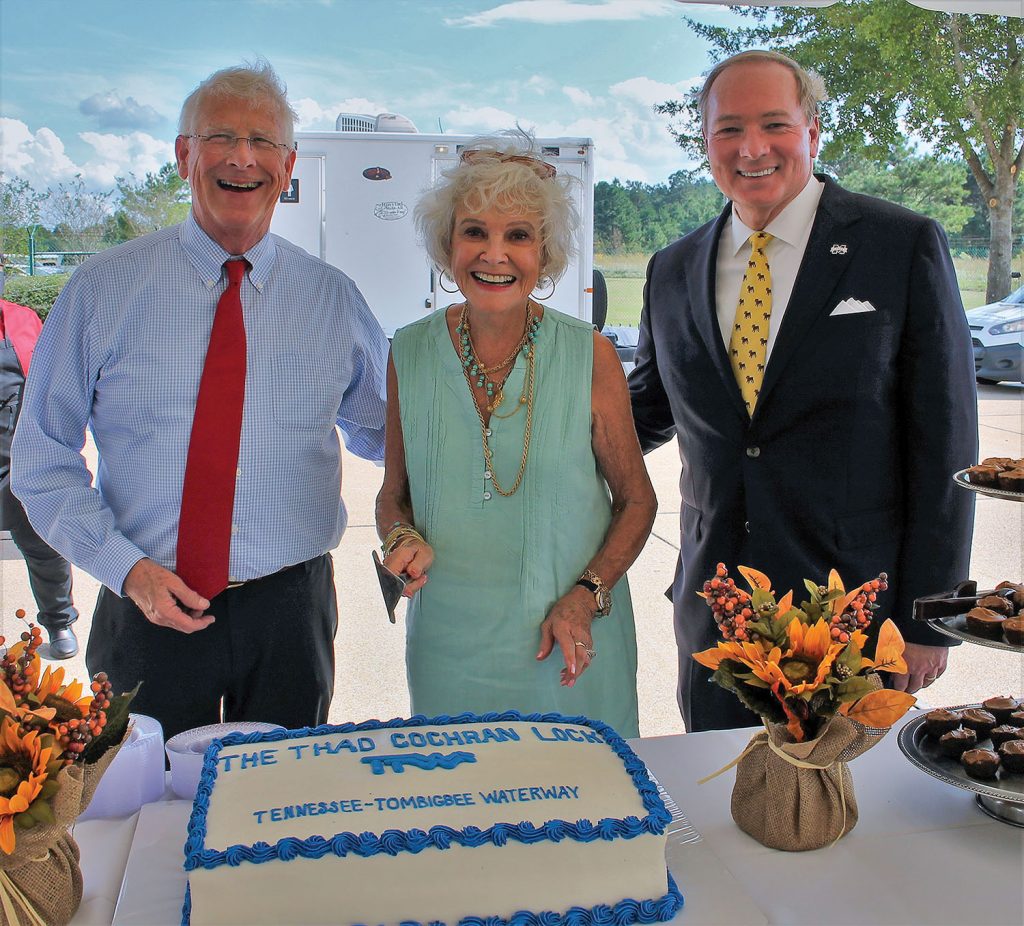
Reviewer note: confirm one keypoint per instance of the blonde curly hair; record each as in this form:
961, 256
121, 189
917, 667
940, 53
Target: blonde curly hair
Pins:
508, 175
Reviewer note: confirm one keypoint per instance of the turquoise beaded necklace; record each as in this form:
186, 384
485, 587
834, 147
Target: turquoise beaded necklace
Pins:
477, 372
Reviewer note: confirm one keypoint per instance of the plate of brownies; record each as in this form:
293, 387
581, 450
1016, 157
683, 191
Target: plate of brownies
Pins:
992, 618
999, 477
978, 747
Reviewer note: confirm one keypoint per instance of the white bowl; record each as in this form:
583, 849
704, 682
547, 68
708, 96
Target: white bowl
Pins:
186, 751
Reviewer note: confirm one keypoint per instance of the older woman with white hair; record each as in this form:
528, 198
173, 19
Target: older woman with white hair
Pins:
514, 480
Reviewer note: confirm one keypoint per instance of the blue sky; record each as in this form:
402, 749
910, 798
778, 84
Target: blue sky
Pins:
94, 86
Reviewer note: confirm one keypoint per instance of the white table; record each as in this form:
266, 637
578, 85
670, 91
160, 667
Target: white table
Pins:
922, 852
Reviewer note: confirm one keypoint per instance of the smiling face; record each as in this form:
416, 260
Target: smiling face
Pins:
234, 192
760, 144
496, 258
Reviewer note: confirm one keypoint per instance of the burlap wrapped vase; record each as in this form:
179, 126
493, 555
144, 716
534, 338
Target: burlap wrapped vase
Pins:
798, 796
41, 882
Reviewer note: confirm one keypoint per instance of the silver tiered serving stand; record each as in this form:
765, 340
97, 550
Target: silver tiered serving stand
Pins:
1002, 797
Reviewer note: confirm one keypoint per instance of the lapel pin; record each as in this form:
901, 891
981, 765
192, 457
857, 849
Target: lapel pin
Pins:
839, 249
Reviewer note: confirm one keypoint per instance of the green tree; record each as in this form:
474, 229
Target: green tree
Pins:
616, 221
936, 188
76, 215
19, 211
161, 199
955, 80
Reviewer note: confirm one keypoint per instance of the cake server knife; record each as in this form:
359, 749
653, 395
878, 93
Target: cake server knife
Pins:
391, 586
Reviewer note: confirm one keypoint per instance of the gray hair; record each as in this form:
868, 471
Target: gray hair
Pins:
810, 87
495, 181
255, 84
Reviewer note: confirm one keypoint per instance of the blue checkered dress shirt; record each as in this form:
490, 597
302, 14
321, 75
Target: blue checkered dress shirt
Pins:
122, 352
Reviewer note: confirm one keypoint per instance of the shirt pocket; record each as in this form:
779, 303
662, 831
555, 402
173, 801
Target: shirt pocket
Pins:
307, 391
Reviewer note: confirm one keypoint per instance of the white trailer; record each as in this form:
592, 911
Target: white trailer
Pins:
351, 204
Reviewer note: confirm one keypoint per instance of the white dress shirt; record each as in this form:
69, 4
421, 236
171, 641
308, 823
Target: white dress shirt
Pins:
790, 230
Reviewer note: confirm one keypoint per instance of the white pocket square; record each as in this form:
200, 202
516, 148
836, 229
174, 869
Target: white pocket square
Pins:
852, 306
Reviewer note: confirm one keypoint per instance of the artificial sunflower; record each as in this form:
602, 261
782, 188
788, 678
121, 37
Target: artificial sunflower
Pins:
28, 772
803, 665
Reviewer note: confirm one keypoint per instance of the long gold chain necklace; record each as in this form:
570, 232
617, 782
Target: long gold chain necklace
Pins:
529, 380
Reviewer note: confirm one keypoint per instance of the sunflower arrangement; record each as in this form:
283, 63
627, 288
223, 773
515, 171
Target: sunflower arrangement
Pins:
57, 738
801, 666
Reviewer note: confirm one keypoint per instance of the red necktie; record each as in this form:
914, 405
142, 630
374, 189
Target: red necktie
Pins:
208, 493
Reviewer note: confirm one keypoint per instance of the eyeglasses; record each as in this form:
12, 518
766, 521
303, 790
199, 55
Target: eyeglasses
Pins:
222, 141
542, 169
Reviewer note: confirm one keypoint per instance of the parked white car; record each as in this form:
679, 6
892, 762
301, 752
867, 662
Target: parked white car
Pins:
997, 333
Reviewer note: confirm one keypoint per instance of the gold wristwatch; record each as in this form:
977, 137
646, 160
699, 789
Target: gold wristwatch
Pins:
592, 582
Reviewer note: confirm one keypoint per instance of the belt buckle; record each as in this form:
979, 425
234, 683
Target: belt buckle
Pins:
235, 584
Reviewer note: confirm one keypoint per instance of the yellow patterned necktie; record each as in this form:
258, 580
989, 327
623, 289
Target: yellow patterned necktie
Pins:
749, 340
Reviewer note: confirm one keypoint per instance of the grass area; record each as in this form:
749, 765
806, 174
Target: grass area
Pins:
624, 274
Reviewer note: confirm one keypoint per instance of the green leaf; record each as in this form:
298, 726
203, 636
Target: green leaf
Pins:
760, 597
113, 732
850, 657
853, 689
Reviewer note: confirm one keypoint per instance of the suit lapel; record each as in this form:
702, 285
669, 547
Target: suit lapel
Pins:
704, 305
830, 248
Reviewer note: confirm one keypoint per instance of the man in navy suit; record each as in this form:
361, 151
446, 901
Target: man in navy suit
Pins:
844, 455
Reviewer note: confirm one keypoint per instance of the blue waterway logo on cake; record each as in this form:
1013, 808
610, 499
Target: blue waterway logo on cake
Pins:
375, 803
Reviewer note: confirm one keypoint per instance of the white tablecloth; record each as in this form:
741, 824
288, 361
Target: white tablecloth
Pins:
922, 852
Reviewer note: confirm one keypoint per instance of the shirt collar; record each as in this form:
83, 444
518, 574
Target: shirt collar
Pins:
790, 225
208, 257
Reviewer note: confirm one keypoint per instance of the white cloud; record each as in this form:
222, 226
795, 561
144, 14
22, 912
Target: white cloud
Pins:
317, 117
557, 12
647, 92
34, 156
540, 84
578, 97
467, 121
112, 112
119, 155
40, 157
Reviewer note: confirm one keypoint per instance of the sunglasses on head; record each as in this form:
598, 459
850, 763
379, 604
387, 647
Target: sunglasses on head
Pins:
542, 169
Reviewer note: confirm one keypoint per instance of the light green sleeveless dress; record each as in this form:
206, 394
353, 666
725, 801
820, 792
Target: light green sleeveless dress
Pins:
473, 630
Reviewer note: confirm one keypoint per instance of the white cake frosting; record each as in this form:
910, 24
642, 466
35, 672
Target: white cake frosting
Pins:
468, 819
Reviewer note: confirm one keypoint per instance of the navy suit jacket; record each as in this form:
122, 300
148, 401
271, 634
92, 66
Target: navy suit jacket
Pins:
861, 421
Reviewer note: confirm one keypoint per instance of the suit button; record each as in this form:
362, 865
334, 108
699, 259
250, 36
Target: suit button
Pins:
753, 452
746, 526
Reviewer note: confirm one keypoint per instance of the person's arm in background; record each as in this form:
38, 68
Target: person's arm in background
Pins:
361, 415
939, 424
652, 414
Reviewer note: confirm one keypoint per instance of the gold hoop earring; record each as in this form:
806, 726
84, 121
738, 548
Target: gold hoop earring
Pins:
540, 298
440, 282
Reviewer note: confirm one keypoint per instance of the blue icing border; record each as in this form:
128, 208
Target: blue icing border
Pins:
394, 841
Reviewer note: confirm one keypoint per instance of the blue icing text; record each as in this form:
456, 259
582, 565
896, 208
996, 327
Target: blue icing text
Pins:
434, 761
417, 739
519, 795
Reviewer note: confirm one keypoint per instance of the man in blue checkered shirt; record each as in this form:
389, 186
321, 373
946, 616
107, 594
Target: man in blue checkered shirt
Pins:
122, 353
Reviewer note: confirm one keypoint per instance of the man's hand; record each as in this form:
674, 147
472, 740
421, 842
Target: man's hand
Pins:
924, 665
164, 599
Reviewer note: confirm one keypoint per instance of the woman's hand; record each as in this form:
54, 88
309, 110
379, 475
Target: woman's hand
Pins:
411, 559
568, 625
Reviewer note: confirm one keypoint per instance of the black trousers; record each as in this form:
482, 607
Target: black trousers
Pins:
268, 656
49, 574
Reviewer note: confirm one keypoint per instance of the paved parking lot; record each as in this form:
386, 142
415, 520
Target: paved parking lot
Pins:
370, 680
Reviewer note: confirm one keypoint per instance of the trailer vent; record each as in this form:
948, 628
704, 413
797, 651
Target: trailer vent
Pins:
354, 122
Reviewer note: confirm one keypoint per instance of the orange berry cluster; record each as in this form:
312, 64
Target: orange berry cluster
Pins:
731, 607
858, 613
74, 735
15, 670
